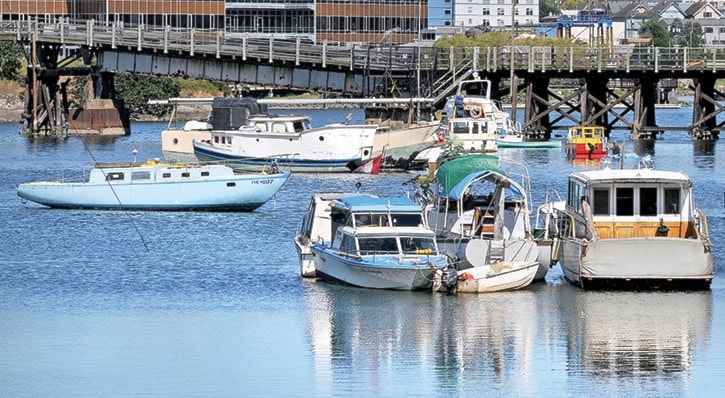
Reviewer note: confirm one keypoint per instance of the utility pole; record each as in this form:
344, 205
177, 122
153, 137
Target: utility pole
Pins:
512, 82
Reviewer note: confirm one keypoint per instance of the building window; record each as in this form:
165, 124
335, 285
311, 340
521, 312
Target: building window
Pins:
707, 14
486, 11
447, 11
499, 11
470, 10
708, 30
529, 11
722, 30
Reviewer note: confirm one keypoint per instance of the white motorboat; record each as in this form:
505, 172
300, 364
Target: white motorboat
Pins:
292, 142
371, 242
633, 228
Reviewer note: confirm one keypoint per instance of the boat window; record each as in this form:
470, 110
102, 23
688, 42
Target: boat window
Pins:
205, 174
308, 125
216, 139
299, 127
418, 245
648, 201
348, 244
279, 128
460, 128
407, 220
140, 175
672, 201
625, 201
601, 202
114, 176
574, 195
166, 175
186, 174
362, 220
378, 245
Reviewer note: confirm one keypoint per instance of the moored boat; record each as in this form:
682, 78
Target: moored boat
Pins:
633, 228
157, 186
372, 242
518, 140
586, 142
292, 141
481, 218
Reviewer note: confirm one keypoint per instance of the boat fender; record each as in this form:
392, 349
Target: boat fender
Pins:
441, 138
465, 276
476, 112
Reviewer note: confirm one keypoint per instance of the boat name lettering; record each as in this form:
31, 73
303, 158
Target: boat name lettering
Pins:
262, 181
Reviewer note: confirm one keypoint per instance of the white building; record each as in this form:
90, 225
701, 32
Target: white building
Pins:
495, 13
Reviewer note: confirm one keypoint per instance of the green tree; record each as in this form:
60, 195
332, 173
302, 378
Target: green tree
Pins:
690, 35
11, 60
656, 32
137, 90
548, 7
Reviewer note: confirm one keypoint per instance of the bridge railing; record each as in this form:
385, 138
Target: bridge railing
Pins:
374, 57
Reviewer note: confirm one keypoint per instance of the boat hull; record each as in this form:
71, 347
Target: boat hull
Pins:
497, 277
231, 193
385, 272
177, 146
659, 262
401, 145
503, 143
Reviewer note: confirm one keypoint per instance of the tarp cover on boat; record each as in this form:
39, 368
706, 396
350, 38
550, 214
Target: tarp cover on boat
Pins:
372, 203
233, 113
453, 172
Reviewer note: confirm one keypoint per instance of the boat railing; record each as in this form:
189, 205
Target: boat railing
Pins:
701, 224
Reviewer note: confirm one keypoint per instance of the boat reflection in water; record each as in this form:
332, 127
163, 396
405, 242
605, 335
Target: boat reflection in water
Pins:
652, 335
376, 341
443, 341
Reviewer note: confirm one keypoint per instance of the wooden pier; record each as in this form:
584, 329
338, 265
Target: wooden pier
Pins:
614, 87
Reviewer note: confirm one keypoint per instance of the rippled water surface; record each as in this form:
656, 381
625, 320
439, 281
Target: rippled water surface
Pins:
106, 303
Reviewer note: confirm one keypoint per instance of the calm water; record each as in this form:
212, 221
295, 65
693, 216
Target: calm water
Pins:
200, 304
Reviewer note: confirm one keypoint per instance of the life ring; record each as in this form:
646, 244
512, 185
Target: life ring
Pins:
441, 138
475, 112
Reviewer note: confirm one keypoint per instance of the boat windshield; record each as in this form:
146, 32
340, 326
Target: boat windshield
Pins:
418, 245
383, 219
378, 245
389, 245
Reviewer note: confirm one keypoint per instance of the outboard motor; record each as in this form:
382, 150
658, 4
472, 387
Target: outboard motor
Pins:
450, 280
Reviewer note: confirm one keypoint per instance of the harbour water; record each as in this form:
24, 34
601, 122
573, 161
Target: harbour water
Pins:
110, 303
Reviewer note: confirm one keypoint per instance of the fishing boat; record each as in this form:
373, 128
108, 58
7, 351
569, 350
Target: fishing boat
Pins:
633, 228
154, 185
371, 242
292, 141
586, 142
481, 219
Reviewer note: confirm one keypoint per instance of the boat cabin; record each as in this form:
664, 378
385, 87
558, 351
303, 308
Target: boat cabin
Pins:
631, 203
586, 142
153, 172
381, 240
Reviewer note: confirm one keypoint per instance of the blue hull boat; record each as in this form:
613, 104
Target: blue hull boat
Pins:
157, 186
